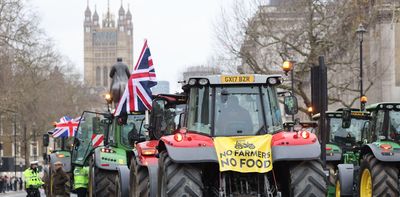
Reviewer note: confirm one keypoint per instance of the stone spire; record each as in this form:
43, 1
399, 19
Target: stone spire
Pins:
88, 13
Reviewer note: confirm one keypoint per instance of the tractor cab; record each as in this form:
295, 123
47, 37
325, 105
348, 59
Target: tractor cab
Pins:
126, 130
90, 134
339, 134
167, 114
234, 105
385, 123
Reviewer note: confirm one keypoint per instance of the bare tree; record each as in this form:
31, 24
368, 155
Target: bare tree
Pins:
36, 81
264, 35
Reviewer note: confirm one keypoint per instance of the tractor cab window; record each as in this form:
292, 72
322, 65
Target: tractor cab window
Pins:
346, 136
133, 126
394, 125
165, 117
199, 108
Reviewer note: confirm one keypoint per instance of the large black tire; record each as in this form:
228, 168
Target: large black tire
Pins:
104, 181
178, 180
384, 177
140, 183
307, 179
101, 182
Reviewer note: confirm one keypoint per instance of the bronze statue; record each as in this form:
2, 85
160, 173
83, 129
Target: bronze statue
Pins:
119, 74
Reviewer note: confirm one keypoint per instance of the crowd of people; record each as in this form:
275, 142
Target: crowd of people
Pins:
10, 183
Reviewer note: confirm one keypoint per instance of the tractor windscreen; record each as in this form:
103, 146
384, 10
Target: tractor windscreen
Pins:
133, 125
91, 124
349, 135
239, 110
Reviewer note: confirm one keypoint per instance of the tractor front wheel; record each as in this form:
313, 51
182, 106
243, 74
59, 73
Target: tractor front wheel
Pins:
378, 178
178, 179
140, 184
101, 182
307, 178
104, 181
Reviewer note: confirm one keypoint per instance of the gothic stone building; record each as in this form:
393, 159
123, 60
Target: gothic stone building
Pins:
104, 43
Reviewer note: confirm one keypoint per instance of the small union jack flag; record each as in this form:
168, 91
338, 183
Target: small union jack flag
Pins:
66, 127
137, 94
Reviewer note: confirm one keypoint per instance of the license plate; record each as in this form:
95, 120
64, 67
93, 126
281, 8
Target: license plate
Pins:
237, 79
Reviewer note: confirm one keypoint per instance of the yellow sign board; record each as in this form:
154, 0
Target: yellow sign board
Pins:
244, 154
237, 79
358, 114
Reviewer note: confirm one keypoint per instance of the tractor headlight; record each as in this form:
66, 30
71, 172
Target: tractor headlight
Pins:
192, 82
203, 82
274, 80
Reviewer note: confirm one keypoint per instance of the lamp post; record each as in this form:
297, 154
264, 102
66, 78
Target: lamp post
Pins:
288, 67
15, 144
360, 33
35, 144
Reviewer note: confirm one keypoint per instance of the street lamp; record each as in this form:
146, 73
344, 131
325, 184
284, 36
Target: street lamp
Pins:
360, 34
288, 66
108, 99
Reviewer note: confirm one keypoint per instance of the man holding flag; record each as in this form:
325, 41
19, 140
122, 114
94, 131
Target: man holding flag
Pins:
137, 95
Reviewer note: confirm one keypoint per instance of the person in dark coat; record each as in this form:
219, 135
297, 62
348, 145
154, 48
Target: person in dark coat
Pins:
2, 183
60, 178
20, 183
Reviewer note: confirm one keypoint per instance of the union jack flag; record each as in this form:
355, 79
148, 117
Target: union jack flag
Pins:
137, 94
66, 127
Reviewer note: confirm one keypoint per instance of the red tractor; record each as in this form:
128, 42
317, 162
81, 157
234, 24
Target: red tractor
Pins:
232, 143
164, 120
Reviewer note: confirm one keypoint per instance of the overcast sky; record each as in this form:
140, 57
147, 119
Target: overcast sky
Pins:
179, 32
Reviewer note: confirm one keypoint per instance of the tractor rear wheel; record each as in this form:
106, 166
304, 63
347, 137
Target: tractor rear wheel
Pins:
178, 180
378, 178
307, 178
140, 183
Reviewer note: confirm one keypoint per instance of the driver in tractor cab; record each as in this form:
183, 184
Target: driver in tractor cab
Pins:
234, 114
133, 134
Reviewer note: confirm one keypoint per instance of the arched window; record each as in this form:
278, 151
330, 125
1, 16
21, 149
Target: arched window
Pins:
105, 76
98, 76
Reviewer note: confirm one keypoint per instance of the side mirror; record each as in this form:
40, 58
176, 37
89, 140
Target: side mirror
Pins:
46, 139
122, 120
291, 105
346, 118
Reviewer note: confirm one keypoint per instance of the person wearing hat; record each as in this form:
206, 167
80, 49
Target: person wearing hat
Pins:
58, 181
32, 180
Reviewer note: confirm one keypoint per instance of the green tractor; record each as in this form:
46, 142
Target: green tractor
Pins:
380, 156
343, 144
105, 143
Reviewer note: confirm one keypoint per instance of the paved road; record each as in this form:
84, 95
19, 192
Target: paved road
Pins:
23, 194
